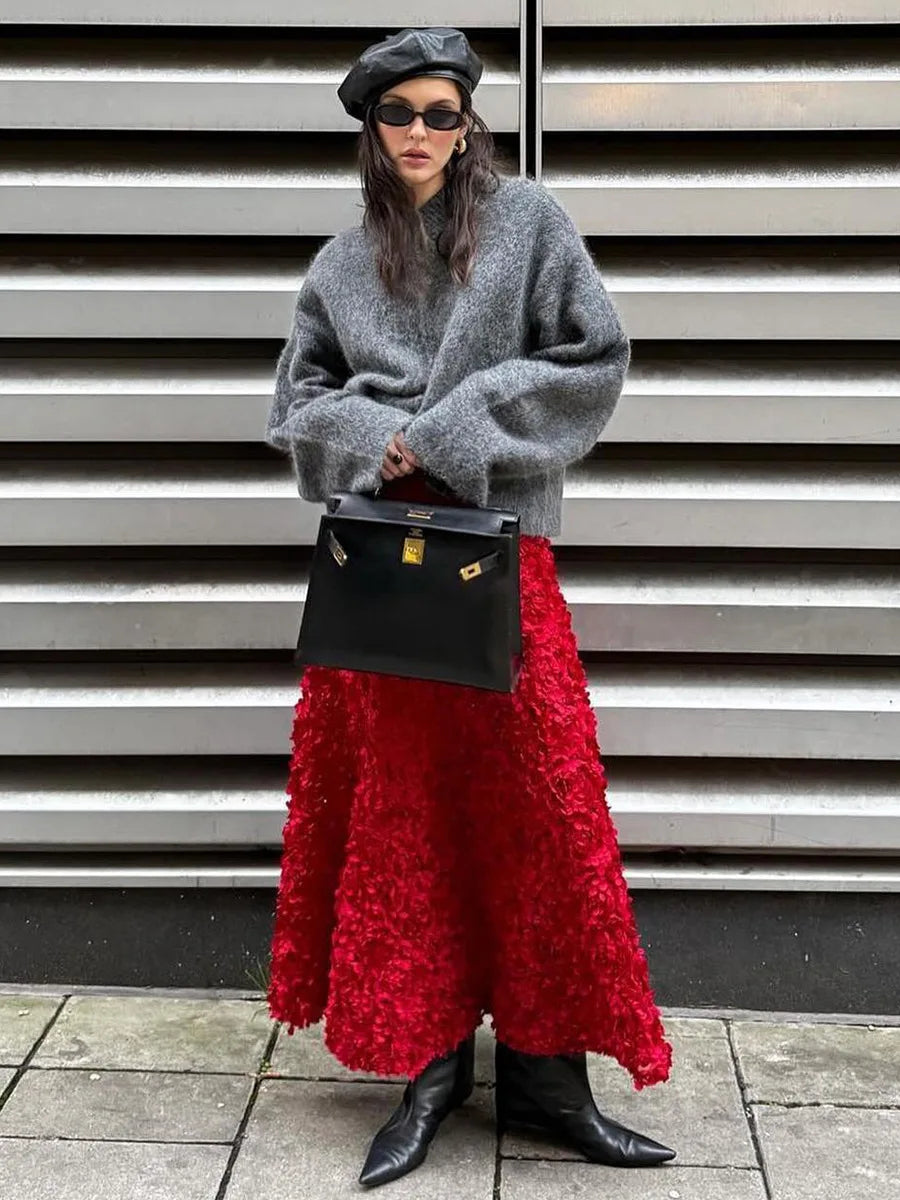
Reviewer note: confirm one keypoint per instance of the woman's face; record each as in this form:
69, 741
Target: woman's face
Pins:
436, 146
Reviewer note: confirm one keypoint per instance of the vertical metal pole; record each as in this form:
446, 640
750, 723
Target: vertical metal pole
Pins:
538, 35
530, 58
523, 87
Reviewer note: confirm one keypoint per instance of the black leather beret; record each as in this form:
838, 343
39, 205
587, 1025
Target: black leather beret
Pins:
437, 50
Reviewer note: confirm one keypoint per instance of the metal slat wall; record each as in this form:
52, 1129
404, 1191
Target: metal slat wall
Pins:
735, 169
729, 551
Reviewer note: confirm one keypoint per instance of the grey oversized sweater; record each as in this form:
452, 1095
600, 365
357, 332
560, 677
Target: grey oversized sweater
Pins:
498, 385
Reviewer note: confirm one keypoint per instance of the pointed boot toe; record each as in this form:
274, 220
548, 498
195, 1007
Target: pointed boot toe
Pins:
401, 1144
604, 1140
390, 1158
628, 1148
655, 1152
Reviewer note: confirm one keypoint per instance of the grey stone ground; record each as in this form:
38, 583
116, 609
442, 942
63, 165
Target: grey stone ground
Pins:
130, 1095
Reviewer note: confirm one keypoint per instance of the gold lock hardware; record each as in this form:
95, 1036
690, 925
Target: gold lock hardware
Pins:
487, 563
413, 550
337, 550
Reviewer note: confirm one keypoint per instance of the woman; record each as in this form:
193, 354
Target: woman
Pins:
448, 851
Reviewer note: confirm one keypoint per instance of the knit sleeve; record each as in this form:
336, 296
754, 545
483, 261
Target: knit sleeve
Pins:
544, 410
335, 437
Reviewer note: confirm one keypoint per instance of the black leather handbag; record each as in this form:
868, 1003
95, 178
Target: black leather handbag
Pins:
421, 590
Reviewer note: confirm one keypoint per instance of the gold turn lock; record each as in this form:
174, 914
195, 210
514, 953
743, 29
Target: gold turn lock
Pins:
470, 570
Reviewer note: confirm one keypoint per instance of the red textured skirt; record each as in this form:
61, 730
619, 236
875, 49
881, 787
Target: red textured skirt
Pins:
449, 853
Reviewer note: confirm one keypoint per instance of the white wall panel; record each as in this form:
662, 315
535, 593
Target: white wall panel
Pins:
729, 553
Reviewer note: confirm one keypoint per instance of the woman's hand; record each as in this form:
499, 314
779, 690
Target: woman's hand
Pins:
408, 461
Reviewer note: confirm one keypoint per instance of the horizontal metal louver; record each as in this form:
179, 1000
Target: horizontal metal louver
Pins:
728, 551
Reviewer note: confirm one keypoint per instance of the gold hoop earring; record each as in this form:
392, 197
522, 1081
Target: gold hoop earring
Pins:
461, 146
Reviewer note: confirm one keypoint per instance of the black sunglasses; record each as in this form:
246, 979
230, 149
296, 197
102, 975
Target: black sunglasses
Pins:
405, 114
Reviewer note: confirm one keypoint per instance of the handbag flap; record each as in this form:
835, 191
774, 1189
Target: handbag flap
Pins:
488, 521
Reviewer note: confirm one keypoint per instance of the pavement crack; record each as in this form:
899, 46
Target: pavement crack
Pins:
266, 1057
749, 1114
23, 1065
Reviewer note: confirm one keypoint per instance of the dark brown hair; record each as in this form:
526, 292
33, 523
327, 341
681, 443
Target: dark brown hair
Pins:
391, 218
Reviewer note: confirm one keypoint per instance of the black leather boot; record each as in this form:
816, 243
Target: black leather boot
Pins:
552, 1092
402, 1142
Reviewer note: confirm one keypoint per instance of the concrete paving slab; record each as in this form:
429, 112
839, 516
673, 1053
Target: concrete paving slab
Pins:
851, 1153
561, 1181
109, 1170
23, 1019
308, 1139
835, 1064
697, 1111
304, 1055
6, 1074
157, 1033
691, 1027
134, 1105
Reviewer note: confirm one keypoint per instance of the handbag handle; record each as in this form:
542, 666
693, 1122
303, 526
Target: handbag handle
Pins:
432, 480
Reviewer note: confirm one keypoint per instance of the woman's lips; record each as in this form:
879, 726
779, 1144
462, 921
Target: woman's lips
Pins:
415, 157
